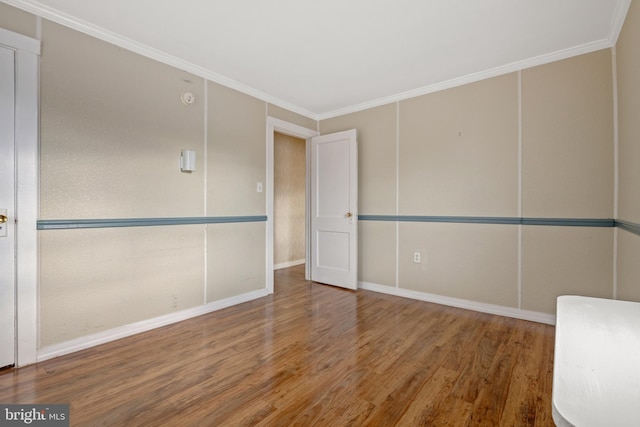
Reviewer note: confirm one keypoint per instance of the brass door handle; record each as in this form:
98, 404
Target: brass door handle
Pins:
3, 218
349, 215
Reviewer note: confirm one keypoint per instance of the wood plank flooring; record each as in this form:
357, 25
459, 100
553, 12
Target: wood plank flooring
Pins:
309, 355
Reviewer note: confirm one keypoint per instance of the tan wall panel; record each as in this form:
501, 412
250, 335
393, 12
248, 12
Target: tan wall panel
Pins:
475, 262
565, 261
289, 198
628, 266
236, 153
459, 150
377, 252
18, 21
291, 117
376, 156
92, 280
628, 67
235, 259
567, 127
112, 127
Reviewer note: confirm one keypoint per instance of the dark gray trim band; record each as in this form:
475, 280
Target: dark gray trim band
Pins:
629, 226
66, 224
570, 222
448, 219
565, 222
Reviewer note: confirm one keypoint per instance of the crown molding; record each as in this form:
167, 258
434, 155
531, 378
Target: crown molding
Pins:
39, 9
103, 34
473, 77
617, 21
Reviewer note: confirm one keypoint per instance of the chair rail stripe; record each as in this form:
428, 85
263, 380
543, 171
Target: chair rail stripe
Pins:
66, 224
566, 222
629, 226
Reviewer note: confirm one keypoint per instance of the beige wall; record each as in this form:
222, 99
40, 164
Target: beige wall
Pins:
16, 20
459, 151
377, 252
376, 156
628, 266
567, 129
533, 144
235, 259
289, 199
236, 159
565, 261
112, 128
567, 172
628, 73
92, 280
470, 261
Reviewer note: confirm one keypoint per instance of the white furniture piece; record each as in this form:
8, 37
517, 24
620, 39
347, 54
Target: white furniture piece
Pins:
596, 374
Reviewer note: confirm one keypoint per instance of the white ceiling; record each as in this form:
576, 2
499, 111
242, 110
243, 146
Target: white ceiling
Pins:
327, 57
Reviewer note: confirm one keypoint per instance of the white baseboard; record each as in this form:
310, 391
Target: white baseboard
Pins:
289, 264
142, 326
500, 310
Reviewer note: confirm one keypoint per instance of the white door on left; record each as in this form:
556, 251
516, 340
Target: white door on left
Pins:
7, 208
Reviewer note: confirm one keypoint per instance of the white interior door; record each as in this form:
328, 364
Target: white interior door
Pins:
7, 208
334, 204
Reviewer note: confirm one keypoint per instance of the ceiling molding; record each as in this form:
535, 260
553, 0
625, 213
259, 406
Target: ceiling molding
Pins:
149, 52
474, 77
619, 15
64, 19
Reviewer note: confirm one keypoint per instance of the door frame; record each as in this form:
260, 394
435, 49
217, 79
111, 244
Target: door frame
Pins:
291, 129
27, 52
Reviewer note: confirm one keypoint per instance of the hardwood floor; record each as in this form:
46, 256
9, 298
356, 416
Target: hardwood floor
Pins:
308, 355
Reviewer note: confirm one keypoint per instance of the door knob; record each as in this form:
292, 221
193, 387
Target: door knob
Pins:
349, 215
3, 218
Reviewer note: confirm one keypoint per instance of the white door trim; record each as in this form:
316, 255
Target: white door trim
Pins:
26, 145
281, 126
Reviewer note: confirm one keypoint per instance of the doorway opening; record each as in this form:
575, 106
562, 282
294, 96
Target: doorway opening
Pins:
289, 201
280, 127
